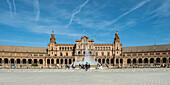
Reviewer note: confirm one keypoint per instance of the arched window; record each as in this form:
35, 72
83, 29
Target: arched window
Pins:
52, 61
57, 61
134, 61
24, 61
48, 61
18, 61
121, 60
41, 61
0, 60
157, 60
140, 60
65, 61
107, 61
61, 54
35, 60
12, 61
103, 61
79, 52
99, 60
29, 61
112, 61
145, 60
117, 61
6, 61
66, 53
164, 60
61, 61
128, 61
70, 61
96, 53
152, 60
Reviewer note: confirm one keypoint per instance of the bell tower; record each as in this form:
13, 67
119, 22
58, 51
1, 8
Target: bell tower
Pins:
52, 46
117, 45
52, 39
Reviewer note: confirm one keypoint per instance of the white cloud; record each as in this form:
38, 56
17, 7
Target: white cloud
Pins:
131, 10
14, 6
10, 8
73, 15
36, 5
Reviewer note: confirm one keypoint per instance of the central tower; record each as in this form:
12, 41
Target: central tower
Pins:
81, 47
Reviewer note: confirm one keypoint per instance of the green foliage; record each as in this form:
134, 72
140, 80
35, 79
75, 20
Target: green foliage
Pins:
34, 64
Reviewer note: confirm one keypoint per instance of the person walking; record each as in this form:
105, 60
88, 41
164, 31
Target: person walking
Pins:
86, 66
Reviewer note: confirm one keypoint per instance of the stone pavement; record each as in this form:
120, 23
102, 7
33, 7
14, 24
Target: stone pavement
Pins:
149, 76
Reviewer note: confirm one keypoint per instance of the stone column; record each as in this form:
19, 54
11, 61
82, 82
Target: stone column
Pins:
26, 62
55, 62
21, 61
3, 63
9, 63
44, 62
63, 60
142, 62
167, 60
124, 62
148, 61
50, 62
161, 60
109, 61
114, 63
154, 61
67, 61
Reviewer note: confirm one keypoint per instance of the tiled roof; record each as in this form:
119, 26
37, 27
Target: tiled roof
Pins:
147, 48
22, 49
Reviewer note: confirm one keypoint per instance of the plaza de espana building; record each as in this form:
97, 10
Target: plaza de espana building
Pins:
112, 54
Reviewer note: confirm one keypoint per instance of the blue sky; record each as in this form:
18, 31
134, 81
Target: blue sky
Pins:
30, 22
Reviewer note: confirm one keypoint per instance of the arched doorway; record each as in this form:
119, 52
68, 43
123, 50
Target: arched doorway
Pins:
112, 61
24, 61
121, 61
6, 61
164, 60
99, 60
30, 61
41, 61
12, 61
140, 60
152, 60
103, 61
128, 61
107, 61
65, 61
35, 60
57, 61
18, 61
48, 61
61, 61
134, 61
0, 60
157, 60
117, 61
52, 61
70, 61
145, 60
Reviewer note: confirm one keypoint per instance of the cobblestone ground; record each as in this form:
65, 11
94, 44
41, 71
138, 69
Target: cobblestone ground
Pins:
154, 76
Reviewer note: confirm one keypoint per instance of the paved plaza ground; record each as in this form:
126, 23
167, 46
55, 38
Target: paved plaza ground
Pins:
142, 76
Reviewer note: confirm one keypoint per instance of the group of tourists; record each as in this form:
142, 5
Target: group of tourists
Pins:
86, 66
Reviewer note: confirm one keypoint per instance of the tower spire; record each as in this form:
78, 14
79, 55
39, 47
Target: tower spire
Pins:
116, 39
52, 39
